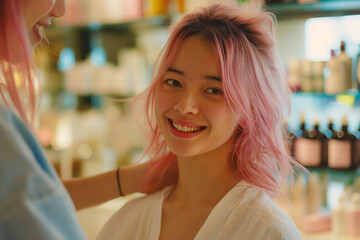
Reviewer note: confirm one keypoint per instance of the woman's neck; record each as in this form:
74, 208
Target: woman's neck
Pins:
204, 179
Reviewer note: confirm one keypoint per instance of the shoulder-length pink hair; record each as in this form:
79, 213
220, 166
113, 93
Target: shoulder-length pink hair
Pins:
17, 69
254, 86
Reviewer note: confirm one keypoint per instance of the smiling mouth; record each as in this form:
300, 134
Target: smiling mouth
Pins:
186, 129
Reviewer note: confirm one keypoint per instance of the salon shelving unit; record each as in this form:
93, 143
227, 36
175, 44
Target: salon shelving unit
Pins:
321, 103
111, 36
320, 8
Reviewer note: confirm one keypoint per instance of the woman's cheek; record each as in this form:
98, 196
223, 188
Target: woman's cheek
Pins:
162, 101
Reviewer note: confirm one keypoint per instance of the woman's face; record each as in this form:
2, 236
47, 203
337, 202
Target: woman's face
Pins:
190, 107
38, 14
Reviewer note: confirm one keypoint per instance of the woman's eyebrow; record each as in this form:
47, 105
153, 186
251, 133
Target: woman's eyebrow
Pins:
213, 78
175, 71
183, 74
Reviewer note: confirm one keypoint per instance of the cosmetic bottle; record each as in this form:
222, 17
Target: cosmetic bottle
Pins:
332, 82
311, 148
298, 200
347, 61
294, 75
354, 216
300, 143
342, 150
314, 199
307, 83
339, 218
335, 81
318, 76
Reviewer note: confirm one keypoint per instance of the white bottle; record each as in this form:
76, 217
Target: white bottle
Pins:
299, 210
354, 216
318, 76
307, 84
294, 74
346, 60
335, 82
314, 199
339, 217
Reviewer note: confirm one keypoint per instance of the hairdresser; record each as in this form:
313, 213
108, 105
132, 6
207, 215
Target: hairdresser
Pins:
34, 204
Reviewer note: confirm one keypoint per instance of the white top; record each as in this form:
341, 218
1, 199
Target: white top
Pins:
245, 212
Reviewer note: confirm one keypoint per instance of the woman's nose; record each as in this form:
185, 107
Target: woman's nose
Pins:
187, 104
59, 9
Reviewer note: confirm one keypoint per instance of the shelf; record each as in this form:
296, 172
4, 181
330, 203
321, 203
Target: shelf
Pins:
150, 22
318, 9
337, 175
351, 98
351, 93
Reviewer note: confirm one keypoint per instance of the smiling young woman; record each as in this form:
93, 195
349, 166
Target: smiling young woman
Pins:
214, 112
190, 108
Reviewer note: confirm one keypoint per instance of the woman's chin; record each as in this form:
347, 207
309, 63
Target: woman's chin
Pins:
34, 40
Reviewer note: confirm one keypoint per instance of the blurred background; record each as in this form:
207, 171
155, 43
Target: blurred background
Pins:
105, 50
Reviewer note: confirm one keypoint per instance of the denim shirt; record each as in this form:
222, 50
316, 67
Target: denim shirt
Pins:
33, 202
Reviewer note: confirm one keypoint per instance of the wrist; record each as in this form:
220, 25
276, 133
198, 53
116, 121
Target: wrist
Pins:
119, 182
130, 177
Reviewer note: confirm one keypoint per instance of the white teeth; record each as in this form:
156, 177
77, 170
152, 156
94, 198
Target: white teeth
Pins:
185, 128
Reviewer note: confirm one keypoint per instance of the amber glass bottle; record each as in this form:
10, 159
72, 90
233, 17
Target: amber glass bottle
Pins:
343, 151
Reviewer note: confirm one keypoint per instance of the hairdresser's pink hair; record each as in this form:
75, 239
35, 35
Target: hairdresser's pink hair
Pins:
254, 87
16, 62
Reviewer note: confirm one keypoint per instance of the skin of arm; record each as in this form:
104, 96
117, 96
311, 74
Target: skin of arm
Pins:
90, 191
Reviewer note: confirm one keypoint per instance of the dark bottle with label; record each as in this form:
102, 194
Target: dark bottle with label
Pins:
298, 141
343, 151
311, 148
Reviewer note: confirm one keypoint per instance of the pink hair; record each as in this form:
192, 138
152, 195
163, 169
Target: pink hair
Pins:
254, 87
17, 84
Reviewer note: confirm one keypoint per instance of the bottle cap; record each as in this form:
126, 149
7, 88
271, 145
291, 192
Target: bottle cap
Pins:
331, 121
332, 53
342, 46
316, 122
302, 117
344, 121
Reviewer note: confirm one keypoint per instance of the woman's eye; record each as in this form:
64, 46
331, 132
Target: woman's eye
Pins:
214, 91
173, 83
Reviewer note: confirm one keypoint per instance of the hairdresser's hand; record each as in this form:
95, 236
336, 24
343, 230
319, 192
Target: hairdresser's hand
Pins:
90, 191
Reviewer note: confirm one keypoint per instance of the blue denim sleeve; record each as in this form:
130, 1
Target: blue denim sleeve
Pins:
33, 202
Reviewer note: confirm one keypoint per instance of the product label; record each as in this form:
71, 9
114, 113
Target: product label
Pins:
308, 152
339, 154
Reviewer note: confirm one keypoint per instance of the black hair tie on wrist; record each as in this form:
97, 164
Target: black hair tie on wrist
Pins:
118, 182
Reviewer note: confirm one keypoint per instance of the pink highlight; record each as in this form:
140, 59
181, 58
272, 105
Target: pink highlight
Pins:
16, 62
254, 85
